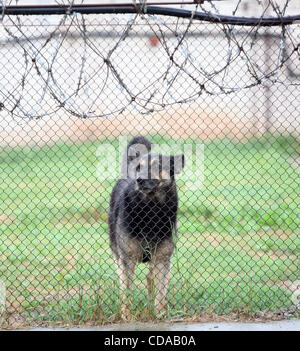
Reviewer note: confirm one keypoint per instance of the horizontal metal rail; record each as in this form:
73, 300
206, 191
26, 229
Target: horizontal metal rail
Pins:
151, 10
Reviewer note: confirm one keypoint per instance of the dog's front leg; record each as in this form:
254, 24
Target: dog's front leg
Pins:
125, 271
161, 274
150, 283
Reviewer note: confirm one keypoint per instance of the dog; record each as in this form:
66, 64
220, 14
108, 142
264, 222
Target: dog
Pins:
143, 218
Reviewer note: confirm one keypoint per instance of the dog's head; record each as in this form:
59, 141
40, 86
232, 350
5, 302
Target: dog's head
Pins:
155, 172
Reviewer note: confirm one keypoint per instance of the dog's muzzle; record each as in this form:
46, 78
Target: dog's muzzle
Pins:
147, 186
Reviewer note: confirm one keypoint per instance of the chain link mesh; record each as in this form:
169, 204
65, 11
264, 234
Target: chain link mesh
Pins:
74, 84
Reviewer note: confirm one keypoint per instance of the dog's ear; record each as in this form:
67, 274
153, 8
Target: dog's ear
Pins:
177, 163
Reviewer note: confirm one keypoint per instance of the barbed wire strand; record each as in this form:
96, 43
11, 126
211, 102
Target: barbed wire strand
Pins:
181, 61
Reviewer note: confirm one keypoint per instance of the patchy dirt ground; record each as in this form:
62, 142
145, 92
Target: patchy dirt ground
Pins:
284, 325
20, 321
175, 122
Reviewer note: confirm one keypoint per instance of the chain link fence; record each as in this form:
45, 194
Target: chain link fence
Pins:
75, 88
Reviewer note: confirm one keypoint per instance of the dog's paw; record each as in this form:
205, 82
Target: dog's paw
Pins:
160, 310
126, 314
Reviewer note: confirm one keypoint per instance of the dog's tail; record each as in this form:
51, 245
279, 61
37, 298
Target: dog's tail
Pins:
137, 147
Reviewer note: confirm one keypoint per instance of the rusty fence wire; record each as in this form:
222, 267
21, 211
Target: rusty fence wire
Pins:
75, 88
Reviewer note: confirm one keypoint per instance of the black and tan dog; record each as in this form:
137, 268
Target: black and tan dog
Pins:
142, 218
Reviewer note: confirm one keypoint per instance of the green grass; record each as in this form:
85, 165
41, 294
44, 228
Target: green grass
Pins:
238, 234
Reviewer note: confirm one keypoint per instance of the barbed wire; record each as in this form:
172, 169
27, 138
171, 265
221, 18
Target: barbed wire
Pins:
100, 85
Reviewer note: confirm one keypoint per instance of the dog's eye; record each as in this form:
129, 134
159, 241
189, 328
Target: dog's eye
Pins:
138, 167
